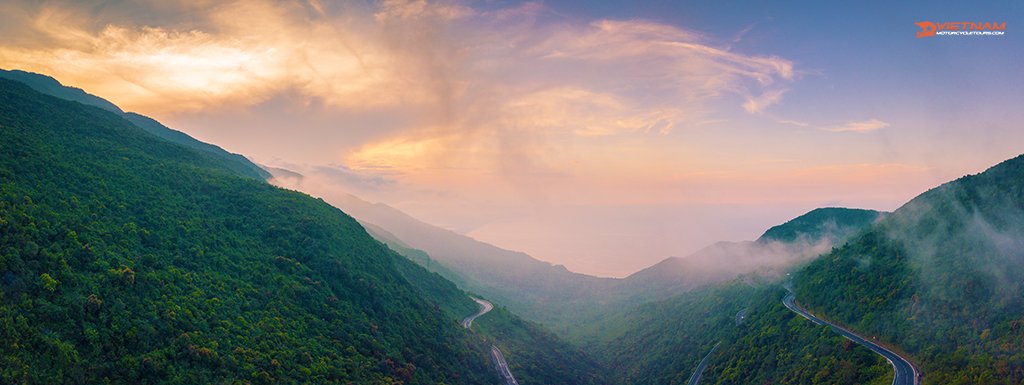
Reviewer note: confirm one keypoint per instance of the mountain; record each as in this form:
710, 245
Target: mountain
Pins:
832, 223
127, 258
745, 332
415, 255
940, 278
50, 86
130, 259
236, 162
537, 356
937, 280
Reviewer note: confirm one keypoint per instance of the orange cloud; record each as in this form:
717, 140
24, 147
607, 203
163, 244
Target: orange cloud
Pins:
222, 58
397, 53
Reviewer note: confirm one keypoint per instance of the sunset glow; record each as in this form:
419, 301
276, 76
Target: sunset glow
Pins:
538, 129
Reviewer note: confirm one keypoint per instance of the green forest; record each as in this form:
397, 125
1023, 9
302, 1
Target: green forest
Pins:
129, 259
937, 280
940, 278
133, 254
762, 342
518, 340
126, 258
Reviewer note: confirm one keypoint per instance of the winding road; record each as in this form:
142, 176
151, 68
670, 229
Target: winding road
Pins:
697, 373
486, 307
906, 372
499, 362
499, 359
695, 377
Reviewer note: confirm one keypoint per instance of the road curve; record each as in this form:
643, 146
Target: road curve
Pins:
499, 362
695, 377
486, 307
906, 372
499, 359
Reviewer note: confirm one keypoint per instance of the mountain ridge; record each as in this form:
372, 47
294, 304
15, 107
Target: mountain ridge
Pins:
50, 86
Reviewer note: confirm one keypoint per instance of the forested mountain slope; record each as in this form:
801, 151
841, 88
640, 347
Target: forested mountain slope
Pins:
761, 342
125, 258
129, 259
50, 86
941, 278
833, 223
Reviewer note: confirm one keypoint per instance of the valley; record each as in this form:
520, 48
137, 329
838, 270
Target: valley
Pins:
499, 359
462, 192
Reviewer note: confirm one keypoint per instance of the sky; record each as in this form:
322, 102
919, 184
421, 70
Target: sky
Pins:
603, 136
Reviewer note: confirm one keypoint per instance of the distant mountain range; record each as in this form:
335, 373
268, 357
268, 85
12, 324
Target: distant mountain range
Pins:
562, 299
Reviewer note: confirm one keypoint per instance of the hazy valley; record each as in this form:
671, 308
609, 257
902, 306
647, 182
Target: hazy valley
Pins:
474, 192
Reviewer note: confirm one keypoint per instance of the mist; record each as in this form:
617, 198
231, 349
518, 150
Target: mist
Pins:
966, 241
764, 259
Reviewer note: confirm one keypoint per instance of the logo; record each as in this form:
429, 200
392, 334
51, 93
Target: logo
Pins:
960, 28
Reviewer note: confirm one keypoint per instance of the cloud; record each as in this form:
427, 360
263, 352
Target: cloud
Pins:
411, 10
659, 57
219, 58
860, 126
759, 103
588, 113
519, 87
323, 180
197, 55
795, 123
522, 94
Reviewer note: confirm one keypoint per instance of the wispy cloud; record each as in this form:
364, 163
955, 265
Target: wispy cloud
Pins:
519, 95
757, 104
794, 123
860, 126
370, 56
498, 106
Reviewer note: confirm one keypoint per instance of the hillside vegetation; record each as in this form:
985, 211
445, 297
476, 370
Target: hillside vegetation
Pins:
940, 278
762, 342
126, 258
50, 86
